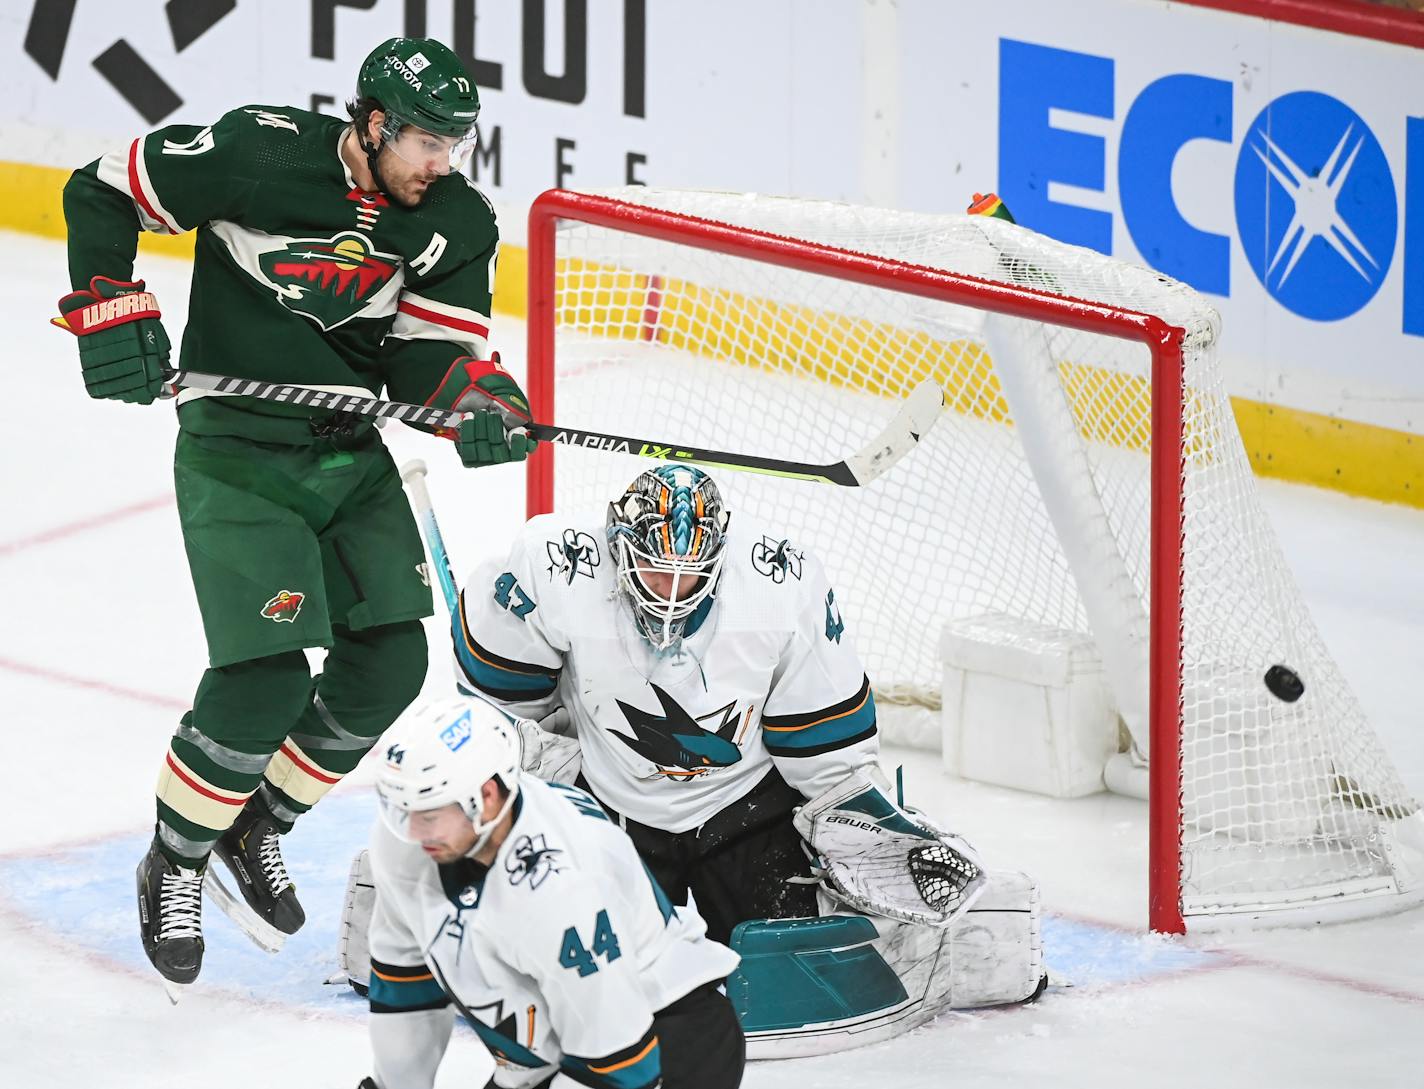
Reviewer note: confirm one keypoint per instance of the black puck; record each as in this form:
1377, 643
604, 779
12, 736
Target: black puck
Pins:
1285, 683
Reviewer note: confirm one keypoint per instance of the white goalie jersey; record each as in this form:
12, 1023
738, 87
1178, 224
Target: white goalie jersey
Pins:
558, 954
764, 675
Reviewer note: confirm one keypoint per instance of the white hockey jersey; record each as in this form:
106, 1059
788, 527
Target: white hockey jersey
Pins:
558, 954
765, 674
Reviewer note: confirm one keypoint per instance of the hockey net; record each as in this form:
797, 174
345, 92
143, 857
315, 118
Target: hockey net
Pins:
1086, 430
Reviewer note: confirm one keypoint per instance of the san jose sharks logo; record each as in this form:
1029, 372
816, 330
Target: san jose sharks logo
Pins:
676, 742
500, 1033
776, 559
329, 280
497, 1030
574, 554
533, 860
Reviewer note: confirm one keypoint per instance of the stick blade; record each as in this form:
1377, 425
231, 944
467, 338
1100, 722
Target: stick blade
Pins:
902, 434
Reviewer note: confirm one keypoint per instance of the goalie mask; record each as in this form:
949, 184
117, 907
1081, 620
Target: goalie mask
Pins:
668, 534
438, 757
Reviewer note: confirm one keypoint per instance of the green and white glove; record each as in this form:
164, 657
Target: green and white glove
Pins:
123, 348
491, 435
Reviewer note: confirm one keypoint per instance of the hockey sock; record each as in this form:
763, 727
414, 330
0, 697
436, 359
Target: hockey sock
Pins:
369, 678
222, 746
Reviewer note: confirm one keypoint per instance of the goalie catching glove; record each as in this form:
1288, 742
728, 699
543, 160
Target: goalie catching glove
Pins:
491, 436
123, 348
880, 858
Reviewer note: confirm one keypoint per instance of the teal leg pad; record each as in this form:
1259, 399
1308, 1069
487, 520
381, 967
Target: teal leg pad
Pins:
797, 972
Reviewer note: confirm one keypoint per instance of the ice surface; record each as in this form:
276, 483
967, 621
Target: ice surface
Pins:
101, 648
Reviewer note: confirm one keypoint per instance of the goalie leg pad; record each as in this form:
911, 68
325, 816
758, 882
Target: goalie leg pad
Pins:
353, 948
994, 951
799, 972
818, 986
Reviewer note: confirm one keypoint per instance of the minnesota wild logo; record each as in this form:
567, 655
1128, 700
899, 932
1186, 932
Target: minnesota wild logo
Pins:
284, 607
329, 280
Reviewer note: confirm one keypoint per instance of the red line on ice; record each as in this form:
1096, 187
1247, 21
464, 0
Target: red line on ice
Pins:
118, 514
1230, 958
71, 681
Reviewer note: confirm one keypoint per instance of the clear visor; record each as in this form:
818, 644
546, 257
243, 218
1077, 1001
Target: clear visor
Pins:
432, 153
667, 591
444, 825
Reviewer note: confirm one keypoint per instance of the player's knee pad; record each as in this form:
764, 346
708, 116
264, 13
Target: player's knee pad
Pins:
252, 703
372, 675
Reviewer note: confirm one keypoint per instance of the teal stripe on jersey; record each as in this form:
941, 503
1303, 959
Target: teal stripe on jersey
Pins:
636, 1067
399, 990
502, 1047
500, 677
810, 735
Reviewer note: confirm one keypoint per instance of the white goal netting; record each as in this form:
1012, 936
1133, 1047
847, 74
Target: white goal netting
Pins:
1031, 499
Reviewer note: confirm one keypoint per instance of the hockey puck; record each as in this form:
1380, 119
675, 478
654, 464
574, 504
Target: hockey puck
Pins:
1285, 683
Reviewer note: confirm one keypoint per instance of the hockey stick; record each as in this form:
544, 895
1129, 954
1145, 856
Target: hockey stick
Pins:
917, 415
413, 473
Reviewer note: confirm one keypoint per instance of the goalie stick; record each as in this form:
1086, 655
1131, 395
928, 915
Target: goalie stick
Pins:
917, 414
556, 760
413, 474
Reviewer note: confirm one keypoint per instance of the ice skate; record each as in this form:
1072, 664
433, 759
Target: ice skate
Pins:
265, 906
170, 911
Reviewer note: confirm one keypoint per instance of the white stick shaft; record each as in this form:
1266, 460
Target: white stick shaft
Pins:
413, 474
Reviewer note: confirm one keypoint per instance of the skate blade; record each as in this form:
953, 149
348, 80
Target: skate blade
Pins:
263, 933
175, 991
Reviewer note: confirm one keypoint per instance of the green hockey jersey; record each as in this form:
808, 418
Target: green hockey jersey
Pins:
298, 275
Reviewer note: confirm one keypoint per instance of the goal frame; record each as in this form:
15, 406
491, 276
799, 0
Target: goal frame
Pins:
1163, 341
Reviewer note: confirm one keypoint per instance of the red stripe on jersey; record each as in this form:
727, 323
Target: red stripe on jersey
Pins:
193, 784
310, 769
136, 188
442, 319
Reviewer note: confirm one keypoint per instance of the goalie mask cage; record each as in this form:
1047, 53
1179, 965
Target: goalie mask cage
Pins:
1086, 475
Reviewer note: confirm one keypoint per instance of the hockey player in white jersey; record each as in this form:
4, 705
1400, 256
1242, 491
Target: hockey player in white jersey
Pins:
706, 675
719, 712
518, 902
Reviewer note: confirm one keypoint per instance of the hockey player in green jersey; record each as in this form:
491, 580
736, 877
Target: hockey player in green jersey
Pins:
348, 256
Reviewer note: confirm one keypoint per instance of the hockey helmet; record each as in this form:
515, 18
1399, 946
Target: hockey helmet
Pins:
422, 84
668, 534
441, 752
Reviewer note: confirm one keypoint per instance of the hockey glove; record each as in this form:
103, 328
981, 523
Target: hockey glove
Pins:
483, 387
881, 858
122, 346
